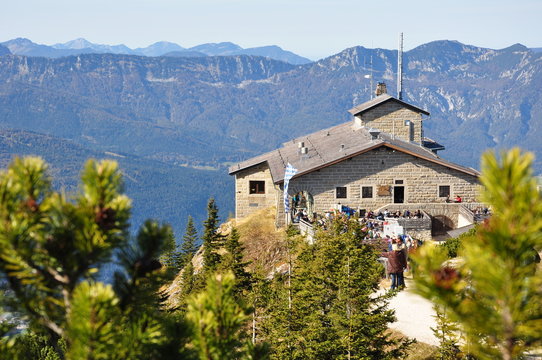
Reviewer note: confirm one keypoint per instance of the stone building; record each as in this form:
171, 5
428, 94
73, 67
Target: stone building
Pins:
380, 158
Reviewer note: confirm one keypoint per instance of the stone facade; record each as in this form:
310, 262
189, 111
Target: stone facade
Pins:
385, 171
247, 203
350, 165
394, 118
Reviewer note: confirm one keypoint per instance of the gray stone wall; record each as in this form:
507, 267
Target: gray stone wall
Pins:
391, 118
423, 223
423, 235
379, 169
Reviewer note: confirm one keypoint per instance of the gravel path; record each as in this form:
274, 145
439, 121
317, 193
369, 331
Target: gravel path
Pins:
415, 315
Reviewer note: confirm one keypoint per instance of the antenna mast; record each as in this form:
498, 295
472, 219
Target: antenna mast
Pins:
371, 90
400, 68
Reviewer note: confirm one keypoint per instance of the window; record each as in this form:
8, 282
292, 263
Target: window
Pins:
398, 182
366, 192
444, 190
340, 192
256, 187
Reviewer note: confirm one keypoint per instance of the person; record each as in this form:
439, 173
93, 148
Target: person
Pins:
295, 200
458, 199
396, 266
400, 247
448, 198
304, 215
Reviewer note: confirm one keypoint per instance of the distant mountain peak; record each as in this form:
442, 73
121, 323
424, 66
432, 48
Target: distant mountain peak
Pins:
20, 41
26, 47
159, 49
217, 48
77, 44
517, 47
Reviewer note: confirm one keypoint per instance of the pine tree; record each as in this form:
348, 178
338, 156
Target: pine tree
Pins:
219, 321
494, 292
233, 261
212, 239
333, 312
279, 323
446, 332
170, 255
188, 247
51, 249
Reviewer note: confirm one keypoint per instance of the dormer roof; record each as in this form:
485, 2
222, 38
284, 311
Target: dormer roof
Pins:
380, 100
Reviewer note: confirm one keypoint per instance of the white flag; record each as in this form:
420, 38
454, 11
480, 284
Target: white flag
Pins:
289, 172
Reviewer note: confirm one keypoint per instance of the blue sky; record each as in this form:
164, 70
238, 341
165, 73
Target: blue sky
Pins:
314, 29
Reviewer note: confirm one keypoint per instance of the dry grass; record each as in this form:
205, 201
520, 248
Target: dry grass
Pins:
265, 245
418, 350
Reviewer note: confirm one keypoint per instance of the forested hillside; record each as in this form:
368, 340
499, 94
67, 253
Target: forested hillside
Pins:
158, 191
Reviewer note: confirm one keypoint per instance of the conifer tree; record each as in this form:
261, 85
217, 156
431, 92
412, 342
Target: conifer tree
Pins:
52, 247
218, 322
212, 239
446, 332
190, 238
233, 261
188, 278
334, 313
170, 254
494, 292
278, 317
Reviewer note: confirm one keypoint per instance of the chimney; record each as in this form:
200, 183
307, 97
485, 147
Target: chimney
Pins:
381, 89
374, 133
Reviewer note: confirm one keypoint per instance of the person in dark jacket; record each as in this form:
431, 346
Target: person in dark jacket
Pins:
396, 265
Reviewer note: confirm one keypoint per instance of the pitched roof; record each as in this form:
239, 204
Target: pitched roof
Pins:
380, 100
330, 146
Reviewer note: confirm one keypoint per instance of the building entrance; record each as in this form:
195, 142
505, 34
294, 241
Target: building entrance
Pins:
303, 206
398, 194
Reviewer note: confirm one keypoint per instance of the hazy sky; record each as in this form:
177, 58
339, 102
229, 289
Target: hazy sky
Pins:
314, 29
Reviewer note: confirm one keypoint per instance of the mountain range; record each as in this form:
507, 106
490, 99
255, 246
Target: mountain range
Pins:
191, 117
26, 47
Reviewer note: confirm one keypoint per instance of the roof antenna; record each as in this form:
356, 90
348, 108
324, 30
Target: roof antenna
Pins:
372, 91
400, 68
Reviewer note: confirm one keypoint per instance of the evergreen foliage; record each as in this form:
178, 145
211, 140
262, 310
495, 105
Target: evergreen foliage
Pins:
453, 245
218, 322
334, 312
233, 261
188, 282
446, 332
212, 239
190, 238
494, 292
52, 247
171, 257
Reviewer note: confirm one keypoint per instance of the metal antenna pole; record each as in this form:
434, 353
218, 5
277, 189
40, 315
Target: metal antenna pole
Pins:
372, 89
400, 68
